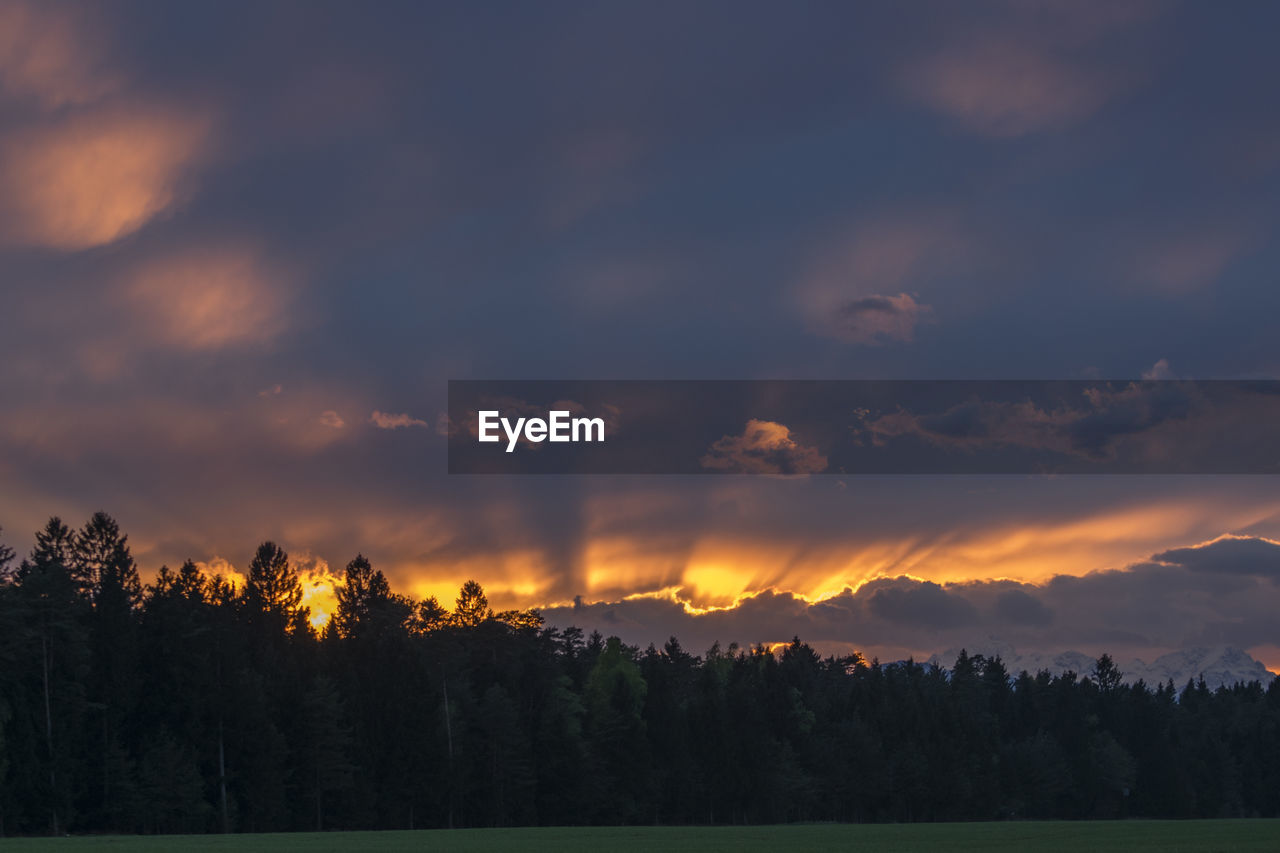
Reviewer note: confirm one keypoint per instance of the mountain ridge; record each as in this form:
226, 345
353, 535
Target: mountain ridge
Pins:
1220, 665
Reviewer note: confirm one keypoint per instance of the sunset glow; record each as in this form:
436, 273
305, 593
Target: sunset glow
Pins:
236, 300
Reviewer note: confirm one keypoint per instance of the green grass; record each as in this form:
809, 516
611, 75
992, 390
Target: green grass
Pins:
1164, 836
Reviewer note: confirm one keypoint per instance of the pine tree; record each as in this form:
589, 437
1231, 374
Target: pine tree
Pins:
6, 561
326, 758
472, 606
273, 591
56, 651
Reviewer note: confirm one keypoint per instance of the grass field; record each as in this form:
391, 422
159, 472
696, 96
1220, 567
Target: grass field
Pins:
1164, 836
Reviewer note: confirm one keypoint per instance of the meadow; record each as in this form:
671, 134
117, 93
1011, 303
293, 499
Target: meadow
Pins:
1189, 836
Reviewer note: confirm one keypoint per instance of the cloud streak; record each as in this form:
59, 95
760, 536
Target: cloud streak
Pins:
385, 420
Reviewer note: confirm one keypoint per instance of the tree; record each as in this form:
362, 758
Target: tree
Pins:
273, 590
171, 790
429, 616
327, 744
6, 559
52, 551
366, 603
359, 592
505, 750
103, 566
615, 694
472, 607
205, 707
1106, 675
521, 619
57, 651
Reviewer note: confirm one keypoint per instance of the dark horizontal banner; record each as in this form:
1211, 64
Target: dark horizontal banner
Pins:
785, 427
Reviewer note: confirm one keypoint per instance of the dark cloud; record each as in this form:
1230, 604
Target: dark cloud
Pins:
1236, 555
1017, 607
910, 602
1091, 427
877, 319
1146, 609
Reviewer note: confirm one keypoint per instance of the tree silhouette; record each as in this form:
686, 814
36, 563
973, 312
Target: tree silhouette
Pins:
328, 743
472, 606
6, 560
193, 705
1106, 674
273, 590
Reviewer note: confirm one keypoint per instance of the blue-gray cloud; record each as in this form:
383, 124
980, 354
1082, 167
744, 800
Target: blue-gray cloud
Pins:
1234, 555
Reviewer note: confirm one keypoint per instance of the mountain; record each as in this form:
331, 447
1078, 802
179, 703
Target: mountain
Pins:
1220, 665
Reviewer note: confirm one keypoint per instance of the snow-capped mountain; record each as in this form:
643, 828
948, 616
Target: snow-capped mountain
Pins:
1220, 665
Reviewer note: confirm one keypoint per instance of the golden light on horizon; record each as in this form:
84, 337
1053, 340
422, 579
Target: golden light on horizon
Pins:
319, 585
1268, 654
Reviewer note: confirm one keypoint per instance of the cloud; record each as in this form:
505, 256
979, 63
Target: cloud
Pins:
53, 54
220, 567
384, 420
1035, 68
997, 87
856, 289
875, 319
1232, 555
1018, 607
125, 429
1159, 370
1190, 260
209, 298
1143, 609
89, 179
764, 447
921, 603
1089, 429
319, 584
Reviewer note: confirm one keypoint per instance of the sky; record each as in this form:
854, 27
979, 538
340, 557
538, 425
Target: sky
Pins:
244, 246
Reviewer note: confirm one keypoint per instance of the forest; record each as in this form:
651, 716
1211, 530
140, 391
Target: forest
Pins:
190, 704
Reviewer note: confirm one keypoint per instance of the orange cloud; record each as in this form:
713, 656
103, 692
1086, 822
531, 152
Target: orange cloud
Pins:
715, 563
222, 568
50, 55
764, 447
210, 298
92, 178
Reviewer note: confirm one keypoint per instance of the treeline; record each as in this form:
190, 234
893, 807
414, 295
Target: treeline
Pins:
191, 705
